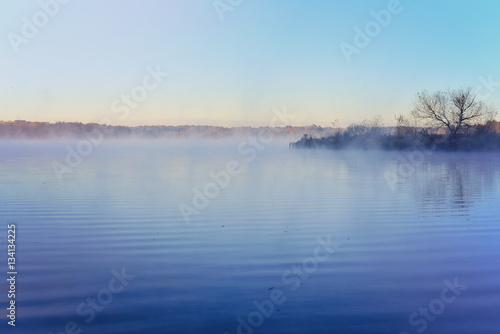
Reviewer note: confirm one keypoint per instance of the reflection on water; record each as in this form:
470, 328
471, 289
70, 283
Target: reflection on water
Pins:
397, 247
453, 182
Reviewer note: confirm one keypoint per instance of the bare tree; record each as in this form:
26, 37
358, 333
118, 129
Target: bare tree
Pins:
406, 126
455, 110
368, 126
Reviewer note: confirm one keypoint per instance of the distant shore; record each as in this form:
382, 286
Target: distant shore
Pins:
21, 129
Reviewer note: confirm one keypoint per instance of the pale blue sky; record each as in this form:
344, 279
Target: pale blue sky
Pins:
265, 54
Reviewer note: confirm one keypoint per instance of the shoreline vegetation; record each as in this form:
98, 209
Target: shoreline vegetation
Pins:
367, 135
482, 138
445, 120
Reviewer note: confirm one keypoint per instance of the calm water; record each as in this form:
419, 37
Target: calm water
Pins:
399, 238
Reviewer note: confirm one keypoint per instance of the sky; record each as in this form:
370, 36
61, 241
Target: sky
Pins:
232, 62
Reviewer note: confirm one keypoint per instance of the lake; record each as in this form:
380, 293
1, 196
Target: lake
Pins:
217, 237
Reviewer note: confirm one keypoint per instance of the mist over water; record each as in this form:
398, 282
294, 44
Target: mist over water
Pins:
397, 239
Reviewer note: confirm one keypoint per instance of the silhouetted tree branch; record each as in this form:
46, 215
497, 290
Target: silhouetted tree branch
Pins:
455, 110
